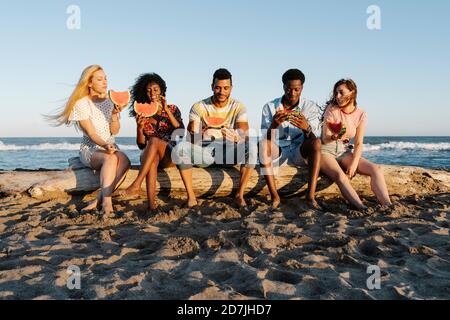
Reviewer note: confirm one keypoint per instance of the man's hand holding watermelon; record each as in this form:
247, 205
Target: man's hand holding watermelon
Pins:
280, 117
298, 120
231, 135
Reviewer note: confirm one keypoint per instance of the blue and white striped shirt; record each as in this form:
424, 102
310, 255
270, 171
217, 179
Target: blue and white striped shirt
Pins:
287, 134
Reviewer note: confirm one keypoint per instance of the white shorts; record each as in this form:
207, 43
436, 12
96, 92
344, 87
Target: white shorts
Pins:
86, 154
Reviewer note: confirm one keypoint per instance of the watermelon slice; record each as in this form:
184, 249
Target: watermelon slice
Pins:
146, 110
120, 99
292, 113
214, 122
335, 126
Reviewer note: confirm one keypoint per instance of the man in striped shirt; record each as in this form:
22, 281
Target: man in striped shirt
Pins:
291, 128
219, 128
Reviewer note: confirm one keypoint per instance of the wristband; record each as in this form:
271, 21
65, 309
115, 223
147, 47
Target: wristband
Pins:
308, 132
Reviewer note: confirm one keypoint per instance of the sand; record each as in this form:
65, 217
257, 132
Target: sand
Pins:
220, 252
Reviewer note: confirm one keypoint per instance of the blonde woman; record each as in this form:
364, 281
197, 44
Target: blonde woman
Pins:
345, 120
90, 109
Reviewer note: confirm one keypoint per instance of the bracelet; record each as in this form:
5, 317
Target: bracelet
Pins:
308, 132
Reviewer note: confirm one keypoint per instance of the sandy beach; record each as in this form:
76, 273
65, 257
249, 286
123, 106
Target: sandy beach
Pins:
220, 252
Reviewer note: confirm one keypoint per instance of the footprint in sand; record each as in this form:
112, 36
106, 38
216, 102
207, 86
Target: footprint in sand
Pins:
284, 276
370, 248
179, 246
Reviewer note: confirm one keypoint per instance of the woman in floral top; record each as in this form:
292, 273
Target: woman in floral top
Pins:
155, 136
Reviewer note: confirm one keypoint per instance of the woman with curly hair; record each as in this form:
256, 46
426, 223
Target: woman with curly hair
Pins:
154, 137
345, 120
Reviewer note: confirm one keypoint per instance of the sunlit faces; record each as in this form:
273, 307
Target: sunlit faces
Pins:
344, 96
292, 91
154, 92
99, 83
222, 90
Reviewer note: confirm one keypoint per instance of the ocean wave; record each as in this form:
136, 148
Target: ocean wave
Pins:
367, 147
53, 146
407, 146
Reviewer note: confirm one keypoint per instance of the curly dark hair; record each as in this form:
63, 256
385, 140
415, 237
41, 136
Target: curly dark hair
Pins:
139, 89
293, 74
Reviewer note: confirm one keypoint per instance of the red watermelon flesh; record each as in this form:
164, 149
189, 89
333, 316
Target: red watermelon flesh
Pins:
146, 110
335, 126
214, 122
119, 98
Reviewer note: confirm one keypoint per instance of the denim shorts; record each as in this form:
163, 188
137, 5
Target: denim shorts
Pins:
86, 153
338, 151
185, 154
291, 156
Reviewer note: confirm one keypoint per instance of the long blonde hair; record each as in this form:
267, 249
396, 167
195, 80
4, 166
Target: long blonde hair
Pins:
81, 90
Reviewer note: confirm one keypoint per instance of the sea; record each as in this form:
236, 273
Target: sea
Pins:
53, 153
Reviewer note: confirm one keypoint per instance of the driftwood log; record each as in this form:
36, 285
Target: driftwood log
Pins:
219, 181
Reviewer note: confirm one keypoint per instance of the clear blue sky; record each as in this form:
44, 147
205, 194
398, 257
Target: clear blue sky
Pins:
402, 70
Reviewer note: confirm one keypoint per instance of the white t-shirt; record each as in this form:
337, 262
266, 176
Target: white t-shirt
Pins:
100, 114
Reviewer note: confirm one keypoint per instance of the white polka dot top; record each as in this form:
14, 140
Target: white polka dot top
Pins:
100, 114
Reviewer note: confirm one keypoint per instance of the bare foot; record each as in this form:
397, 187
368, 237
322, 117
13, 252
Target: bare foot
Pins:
361, 208
312, 203
130, 192
93, 205
107, 208
151, 212
107, 213
191, 203
240, 202
364, 208
276, 201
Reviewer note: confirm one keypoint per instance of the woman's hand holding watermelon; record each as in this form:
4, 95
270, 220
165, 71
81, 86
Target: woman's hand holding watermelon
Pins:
140, 121
338, 130
334, 137
165, 107
117, 109
172, 118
